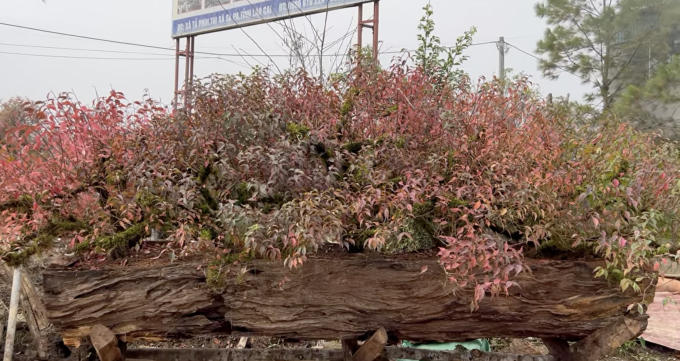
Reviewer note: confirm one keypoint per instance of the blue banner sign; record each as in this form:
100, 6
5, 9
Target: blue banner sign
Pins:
193, 17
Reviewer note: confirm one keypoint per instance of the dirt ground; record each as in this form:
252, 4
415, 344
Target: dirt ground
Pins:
24, 347
631, 351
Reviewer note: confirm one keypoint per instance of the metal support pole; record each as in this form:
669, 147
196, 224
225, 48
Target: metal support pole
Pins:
185, 88
190, 71
187, 67
360, 28
376, 19
13, 309
373, 24
177, 55
191, 55
501, 58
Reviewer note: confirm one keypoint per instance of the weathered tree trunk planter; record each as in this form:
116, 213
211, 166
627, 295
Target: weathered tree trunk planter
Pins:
331, 298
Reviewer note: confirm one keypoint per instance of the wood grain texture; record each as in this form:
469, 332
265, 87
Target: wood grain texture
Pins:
373, 347
664, 321
598, 344
331, 298
152, 303
105, 343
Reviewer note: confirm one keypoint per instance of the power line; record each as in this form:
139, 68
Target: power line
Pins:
84, 37
168, 49
125, 42
81, 57
447, 47
538, 58
81, 49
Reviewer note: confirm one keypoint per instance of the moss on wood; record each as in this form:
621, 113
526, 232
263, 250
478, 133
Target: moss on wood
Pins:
41, 241
117, 243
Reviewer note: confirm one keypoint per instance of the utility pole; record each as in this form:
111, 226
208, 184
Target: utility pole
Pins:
501, 60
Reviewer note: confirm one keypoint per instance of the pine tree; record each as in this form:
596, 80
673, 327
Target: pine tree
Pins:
608, 43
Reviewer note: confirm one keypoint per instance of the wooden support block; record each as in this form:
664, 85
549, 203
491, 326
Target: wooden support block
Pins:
607, 339
242, 343
600, 343
349, 347
559, 349
373, 348
105, 343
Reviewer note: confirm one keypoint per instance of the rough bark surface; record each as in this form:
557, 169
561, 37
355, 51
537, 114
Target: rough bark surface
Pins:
330, 299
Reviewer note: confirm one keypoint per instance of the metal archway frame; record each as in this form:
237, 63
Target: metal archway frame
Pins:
187, 52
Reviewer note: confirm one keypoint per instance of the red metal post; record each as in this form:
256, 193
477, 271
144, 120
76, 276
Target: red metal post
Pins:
177, 55
190, 78
376, 18
185, 88
360, 28
373, 24
193, 47
187, 67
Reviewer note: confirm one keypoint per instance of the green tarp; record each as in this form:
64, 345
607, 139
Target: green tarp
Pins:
481, 344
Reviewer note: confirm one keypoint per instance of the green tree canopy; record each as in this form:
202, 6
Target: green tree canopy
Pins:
608, 43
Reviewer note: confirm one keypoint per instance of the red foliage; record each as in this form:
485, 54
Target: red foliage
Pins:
383, 160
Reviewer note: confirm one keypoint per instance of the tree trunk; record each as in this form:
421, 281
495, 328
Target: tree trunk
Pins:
330, 298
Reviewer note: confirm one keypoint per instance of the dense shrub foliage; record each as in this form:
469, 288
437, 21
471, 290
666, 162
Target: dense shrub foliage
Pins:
275, 167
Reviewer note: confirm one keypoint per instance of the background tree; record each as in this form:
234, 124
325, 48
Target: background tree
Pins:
608, 43
13, 114
436, 60
652, 105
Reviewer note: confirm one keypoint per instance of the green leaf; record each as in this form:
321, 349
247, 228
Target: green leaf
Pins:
624, 284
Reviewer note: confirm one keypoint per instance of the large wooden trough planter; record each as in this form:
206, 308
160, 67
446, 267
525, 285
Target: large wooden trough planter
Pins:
343, 298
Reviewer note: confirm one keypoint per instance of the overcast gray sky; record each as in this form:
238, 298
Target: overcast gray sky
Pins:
149, 22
